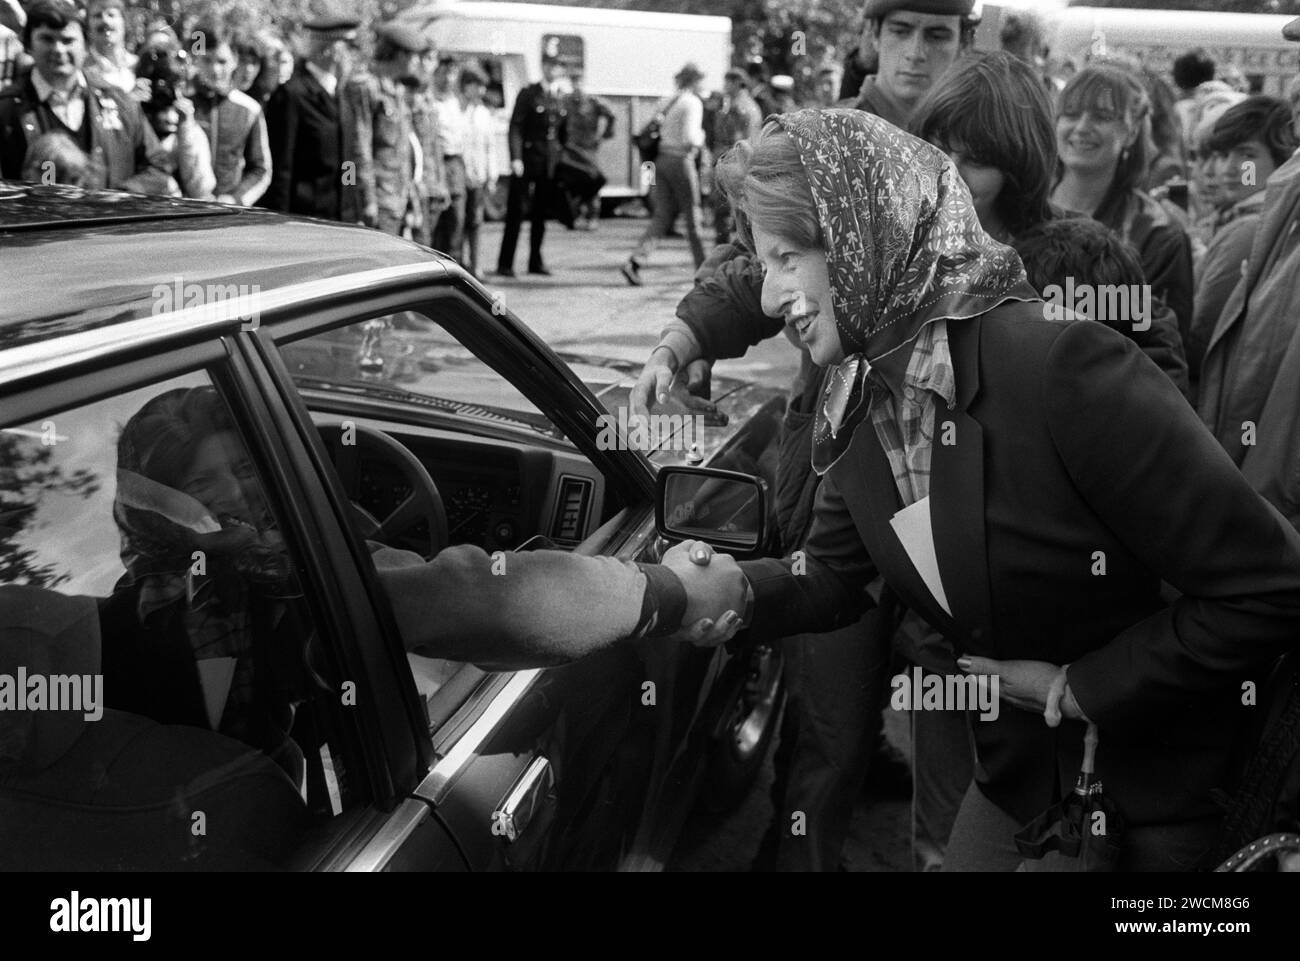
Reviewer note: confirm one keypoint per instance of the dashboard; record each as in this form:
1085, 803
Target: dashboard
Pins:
496, 494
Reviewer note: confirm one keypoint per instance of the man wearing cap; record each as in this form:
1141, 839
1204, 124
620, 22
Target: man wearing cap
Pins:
308, 168
538, 129
56, 97
676, 181
1250, 378
738, 120
916, 42
379, 135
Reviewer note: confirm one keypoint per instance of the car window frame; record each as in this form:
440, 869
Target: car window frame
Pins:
222, 357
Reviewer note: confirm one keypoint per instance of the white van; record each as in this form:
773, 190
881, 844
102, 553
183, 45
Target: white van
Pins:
629, 59
1250, 41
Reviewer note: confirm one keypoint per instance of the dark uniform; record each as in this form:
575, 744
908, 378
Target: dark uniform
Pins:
306, 132
537, 133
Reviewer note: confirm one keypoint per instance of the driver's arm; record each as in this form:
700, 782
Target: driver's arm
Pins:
511, 611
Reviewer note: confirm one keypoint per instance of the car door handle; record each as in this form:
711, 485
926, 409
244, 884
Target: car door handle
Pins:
524, 799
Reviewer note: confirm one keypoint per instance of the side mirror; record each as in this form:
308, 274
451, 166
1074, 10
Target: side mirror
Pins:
726, 508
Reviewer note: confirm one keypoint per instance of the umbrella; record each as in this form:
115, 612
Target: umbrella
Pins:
1085, 825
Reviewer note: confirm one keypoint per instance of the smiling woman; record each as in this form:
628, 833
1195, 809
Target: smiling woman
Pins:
1100, 134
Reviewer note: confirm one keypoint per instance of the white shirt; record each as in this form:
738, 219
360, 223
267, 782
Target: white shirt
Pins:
107, 72
70, 107
452, 125
480, 145
683, 128
323, 77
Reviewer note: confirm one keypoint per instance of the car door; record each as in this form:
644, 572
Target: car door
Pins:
157, 543
557, 768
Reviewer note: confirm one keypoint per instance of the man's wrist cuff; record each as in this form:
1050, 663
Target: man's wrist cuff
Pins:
664, 603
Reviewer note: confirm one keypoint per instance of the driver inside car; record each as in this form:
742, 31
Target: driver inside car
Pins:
207, 627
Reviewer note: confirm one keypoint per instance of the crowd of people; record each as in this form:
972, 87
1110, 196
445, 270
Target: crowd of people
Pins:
902, 290
406, 143
1111, 507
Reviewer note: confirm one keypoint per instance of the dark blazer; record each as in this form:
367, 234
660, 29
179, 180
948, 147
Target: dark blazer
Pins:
538, 129
1068, 441
113, 122
306, 136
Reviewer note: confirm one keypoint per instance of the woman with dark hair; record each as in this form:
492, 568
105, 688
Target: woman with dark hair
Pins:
991, 115
265, 62
978, 456
207, 600
1101, 139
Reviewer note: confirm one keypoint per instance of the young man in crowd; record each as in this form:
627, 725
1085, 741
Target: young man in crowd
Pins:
379, 134
56, 96
677, 183
232, 121
1250, 379
480, 160
306, 132
432, 181
737, 120
108, 61
449, 231
916, 42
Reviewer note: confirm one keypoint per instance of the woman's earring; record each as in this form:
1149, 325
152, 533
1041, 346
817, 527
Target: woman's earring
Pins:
1123, 156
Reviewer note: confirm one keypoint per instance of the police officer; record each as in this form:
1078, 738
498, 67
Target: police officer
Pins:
379, 135
537, 132
305, 127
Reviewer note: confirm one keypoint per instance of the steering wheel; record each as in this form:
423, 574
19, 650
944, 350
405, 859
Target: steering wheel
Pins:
424, 503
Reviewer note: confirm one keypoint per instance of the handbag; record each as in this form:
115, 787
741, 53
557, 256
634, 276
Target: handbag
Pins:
647, 141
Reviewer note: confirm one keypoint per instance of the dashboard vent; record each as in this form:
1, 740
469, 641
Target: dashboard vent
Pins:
571, 516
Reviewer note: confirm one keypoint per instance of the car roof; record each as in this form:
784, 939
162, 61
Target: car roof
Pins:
72, 260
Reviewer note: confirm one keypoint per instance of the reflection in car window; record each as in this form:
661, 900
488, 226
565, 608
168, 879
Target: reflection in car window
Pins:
411, 356
138, 546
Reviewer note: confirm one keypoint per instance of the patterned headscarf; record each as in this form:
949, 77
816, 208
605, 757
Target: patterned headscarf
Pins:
904, 248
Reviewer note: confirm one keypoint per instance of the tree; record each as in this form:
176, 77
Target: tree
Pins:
26, 475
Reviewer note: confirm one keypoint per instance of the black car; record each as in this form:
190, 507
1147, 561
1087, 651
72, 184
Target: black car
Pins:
359, 390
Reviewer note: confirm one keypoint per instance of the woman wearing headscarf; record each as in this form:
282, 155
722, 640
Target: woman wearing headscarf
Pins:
1024, 485
205, 627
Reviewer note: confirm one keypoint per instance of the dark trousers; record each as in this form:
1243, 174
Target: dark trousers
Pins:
449, 232
519, 190
676, 190
837, 684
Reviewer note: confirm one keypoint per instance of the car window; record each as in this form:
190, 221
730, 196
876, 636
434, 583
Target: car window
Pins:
417, 360
405, 379
171, 702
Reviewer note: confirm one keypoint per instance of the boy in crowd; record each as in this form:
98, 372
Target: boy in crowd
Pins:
1249, 142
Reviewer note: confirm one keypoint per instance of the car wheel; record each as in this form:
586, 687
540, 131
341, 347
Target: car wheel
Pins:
744, 733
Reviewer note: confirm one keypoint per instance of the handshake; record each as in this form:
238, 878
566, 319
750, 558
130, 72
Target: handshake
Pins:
717, 593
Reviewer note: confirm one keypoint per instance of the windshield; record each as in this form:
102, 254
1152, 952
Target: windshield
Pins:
408, 358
